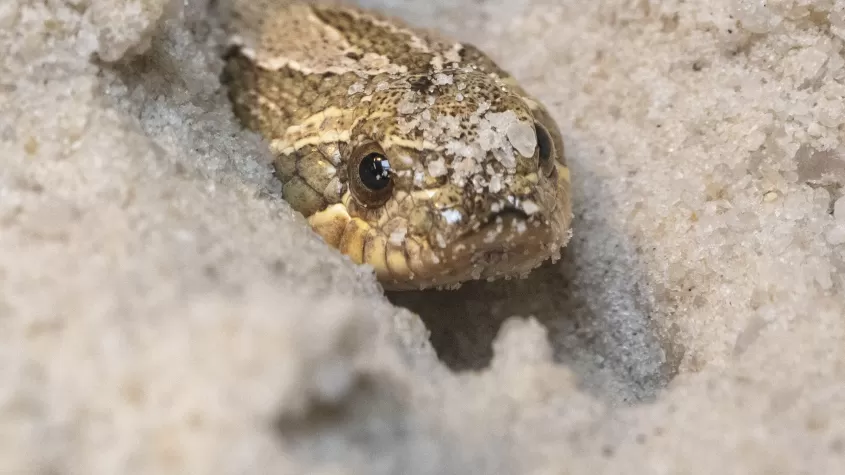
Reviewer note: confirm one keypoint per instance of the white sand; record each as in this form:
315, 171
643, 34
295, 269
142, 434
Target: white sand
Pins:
163, 311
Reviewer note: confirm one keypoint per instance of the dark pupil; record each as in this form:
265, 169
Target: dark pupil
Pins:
374, 171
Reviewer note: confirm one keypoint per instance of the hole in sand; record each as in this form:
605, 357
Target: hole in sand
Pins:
595, 309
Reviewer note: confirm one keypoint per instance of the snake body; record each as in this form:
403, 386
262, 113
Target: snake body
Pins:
406, 151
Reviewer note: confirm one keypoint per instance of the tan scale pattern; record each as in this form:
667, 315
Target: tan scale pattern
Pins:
470, 199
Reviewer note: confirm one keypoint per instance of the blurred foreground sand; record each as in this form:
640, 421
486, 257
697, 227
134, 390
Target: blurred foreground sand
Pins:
163, 311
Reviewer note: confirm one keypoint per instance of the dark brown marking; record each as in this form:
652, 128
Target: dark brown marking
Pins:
365, 35
421, 83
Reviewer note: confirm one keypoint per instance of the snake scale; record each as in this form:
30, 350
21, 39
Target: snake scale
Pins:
405, 150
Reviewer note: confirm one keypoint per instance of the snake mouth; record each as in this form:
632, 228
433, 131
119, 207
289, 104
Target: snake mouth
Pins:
509, 212
510, 243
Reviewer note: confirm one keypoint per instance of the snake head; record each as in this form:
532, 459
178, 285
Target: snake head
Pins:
410, 153
446, 178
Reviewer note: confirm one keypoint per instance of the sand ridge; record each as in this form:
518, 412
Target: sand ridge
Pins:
164, 312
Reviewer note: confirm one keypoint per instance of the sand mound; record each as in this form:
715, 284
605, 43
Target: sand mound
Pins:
163, 311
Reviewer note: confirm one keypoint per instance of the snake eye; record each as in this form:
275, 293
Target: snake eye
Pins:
370, 176
546, 149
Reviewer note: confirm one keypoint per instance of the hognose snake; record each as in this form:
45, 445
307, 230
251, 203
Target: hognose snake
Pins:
405, 150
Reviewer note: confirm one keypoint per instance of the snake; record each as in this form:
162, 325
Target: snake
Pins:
404, 149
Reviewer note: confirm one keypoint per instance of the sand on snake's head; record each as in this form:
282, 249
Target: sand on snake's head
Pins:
406, 151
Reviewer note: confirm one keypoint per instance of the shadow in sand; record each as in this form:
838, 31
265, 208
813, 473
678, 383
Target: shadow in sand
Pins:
593, 302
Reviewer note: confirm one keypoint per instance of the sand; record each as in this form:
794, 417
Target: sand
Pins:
164, 311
